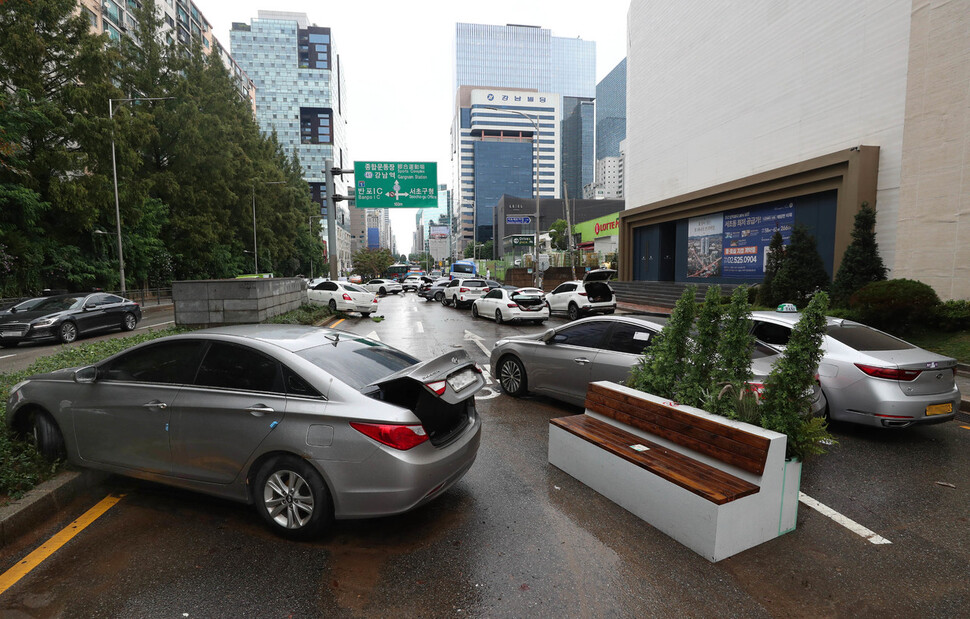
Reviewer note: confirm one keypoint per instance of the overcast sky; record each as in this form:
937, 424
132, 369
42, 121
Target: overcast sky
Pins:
397, 59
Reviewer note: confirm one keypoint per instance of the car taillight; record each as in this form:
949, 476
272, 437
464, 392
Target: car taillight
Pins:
888, 373
375, 300
485, 289
582, 294
463, 289
396, 436
512, 305
758, 389
438, 386
347, 297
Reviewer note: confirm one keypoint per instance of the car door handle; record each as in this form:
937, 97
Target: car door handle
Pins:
155, 404
581, 360
259, 410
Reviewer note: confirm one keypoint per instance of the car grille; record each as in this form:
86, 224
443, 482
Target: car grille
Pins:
14, 329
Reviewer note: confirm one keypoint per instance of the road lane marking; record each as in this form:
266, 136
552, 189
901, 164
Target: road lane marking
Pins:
150, 326
420, 327
7, 356
846, 522
478, 341
964, 427
21, 569
334, 325
373, 336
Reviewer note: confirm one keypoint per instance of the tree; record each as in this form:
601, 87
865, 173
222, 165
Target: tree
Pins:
773, 260
703, 360
559, 235
664, 363
372, 262
861, 262
734, 346
802, 270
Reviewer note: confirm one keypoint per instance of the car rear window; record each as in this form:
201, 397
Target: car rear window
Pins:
474, 283
357, 361
861, 337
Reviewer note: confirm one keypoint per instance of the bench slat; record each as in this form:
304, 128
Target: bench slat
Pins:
701, 479
728, 444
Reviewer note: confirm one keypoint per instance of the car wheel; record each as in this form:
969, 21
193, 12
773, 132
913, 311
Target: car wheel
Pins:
128, 322
498, 317
511, 376
382, 291
47, 436
439, 297
573, 311
332, 305
539, 322
474, 311
444, 300
67, 332
291, 497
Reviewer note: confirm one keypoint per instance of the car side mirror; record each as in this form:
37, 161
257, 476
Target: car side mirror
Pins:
548, 335
86, 375
90, 306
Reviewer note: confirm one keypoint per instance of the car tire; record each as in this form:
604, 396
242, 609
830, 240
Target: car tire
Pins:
439, 296
498, 317
382, 291
539, 322
128, 322
292, 498
511, 376
67, 332
474, 311
332, 305
573, 311
444, 300
47, 436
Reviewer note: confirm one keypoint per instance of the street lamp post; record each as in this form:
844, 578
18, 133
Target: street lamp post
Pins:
535, 139
256, 249
114, 170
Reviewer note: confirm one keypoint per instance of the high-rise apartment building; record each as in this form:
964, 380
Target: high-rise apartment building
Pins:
297, 74
519, 61
181, 21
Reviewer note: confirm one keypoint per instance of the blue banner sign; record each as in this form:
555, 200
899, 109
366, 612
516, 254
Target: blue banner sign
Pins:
518, 220
747, 234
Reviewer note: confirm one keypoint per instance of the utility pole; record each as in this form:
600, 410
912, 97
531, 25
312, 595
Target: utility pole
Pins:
332, 199
569, 230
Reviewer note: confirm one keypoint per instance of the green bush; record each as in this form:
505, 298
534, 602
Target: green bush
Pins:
895, 305
953, 315
861, 262
664, 364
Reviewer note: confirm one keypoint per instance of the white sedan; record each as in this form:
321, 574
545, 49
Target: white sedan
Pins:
343, 297
384, 286
505, 306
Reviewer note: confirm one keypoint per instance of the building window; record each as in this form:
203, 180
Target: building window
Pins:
313, 47
316, 125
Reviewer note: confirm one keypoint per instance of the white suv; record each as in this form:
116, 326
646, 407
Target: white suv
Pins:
464, 292
593, 295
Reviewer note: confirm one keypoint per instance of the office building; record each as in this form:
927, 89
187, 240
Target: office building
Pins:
514, 60
297, 73
611, 112
767, 115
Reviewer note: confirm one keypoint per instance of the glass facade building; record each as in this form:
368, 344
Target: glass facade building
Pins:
611, 112
299, 96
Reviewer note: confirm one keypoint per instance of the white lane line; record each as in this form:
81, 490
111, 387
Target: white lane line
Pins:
420, 327
7, 356
156, 325
848, 523
478, 340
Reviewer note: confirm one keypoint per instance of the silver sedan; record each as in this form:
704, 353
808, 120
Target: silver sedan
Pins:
307, 424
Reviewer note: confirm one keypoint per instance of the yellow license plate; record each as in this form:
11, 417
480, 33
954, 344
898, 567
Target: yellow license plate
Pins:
939, 409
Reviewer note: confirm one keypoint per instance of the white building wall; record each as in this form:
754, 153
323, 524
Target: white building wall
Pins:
720, 91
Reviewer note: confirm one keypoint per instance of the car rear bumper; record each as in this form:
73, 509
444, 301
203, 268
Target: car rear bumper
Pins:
392, 481
885, 407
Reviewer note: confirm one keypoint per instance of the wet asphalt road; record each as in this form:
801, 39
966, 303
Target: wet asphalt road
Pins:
517, 537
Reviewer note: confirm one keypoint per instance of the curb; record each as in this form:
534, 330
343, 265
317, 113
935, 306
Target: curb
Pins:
43, 501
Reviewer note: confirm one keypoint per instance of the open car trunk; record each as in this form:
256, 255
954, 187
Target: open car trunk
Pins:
446, 414
528, 302
598, 292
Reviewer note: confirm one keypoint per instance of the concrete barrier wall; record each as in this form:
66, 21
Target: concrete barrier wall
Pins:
214, 302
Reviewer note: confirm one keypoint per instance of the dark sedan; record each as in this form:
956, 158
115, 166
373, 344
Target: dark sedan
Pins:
64, 317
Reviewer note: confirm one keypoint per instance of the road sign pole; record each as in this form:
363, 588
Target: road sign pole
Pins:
331, 220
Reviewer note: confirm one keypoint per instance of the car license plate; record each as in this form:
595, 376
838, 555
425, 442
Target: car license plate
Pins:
939, 409
460, 380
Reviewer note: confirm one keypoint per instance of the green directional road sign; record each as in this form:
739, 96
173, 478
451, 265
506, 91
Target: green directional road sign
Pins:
396, 184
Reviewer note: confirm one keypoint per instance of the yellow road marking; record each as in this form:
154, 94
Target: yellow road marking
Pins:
965, 427
11, 576
337, 323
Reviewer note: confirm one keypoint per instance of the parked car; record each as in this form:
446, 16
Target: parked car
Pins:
506, 306
414, 282
592, 295
344, 297
462, 292
561, 362
436, 291
22, 305
870, 377
435, 274
383, 286
65, 317
368, 430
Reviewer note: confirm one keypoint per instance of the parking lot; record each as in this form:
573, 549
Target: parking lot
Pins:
886, 533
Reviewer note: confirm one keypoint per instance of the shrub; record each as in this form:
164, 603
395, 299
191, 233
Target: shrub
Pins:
861, 263
953, 315
894, 305
733, 369
664, 363
773, 261
703, 357
802, 271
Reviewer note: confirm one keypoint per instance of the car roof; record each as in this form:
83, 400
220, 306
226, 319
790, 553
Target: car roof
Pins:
289, 337
790, 318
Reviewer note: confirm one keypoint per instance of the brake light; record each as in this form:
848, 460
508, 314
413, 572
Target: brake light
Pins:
582, 294
438, 386
375, 300
464, 289
397, 436
512, 305
888, 373
347, 297
485, 289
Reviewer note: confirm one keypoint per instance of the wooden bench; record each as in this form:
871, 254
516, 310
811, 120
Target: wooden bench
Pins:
717, 486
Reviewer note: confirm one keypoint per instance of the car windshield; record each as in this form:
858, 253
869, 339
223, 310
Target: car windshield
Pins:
352, 288
861, 337
357, 361
58, 304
